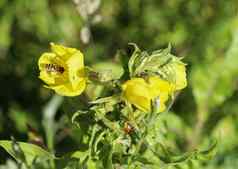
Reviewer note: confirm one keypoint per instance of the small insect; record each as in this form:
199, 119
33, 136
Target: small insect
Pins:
128, 128
54, 68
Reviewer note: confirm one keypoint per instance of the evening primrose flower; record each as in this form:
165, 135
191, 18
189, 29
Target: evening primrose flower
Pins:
63, 70
140, 93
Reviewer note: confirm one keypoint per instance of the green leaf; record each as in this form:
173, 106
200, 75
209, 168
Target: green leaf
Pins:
82, 155
30, 151
134, 59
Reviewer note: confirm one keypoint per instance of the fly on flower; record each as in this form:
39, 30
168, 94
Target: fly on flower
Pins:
63, 70
54, 68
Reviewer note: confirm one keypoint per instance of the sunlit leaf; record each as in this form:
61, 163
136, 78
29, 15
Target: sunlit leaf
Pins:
30, 151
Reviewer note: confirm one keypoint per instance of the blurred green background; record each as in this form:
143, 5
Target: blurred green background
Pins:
204, 32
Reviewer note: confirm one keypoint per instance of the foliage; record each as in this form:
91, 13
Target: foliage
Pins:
204, 33
117, 134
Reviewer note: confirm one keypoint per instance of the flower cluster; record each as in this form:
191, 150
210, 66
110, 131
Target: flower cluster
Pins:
153, 77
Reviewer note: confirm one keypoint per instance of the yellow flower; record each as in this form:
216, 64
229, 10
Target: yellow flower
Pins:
140, 93
63, 70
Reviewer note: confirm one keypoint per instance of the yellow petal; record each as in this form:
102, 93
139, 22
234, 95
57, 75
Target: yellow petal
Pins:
45, 58
159, 86
50, 80
68, 90
181, 81
140, 102
140, 93
62, 51
136, 92
76, 68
